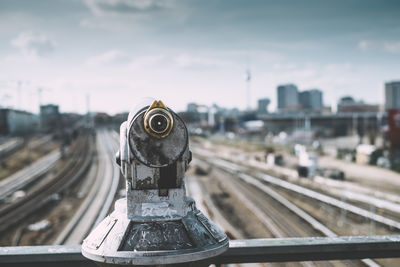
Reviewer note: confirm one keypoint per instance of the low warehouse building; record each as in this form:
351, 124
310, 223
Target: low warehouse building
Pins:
17, 122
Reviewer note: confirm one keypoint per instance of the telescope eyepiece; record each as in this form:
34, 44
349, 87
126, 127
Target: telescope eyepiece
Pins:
157, 136
158, 122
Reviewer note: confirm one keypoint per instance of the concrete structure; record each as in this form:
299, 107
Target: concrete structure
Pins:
346, 100
263, 104
364, 153
340, 124
347, 104
311, 99
288, 97
16, 122
49, 117
392, 95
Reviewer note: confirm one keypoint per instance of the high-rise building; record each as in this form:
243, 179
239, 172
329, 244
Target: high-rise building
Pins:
288, 97
392, 95
311, 99
49, 117
191, 107
263, 105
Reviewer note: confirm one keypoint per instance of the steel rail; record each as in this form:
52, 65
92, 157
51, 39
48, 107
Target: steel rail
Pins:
296, 210
341, 189
277, 226
99, 198
34, 200
271, 222
240, 251
112, 148
70, 235
314, 223
240, 171
206, 205
345, 190
329, 200
10, 147
28, 175
273, 227
236, 169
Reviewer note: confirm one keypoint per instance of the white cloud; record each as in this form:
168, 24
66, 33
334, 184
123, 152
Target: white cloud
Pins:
149, 61
33, 44
364, 45
140, 16
125, 62
110, 57
392, 47
195, 62
106, 7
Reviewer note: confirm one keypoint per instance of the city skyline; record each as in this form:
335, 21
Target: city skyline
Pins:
118, 51
254, 108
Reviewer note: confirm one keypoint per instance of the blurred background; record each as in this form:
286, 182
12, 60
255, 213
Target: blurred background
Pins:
285, 102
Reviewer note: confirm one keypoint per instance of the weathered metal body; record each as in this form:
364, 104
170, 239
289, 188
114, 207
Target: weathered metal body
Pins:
156, 224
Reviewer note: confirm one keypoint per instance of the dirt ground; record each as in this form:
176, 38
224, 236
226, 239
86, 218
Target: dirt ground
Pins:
57, 212
27, 155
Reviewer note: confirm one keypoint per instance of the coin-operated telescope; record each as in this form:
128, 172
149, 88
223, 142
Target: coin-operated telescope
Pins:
156, 224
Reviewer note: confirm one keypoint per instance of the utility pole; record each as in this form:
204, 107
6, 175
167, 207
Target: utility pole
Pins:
88, 115
88, 103
40, 96
40, 91
19, 95
248, 80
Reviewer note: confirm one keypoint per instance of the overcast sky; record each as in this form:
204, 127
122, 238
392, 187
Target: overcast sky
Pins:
118, 51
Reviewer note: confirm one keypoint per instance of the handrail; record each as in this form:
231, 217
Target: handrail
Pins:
240, 251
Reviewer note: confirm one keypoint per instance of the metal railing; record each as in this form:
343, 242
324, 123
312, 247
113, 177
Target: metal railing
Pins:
240, 251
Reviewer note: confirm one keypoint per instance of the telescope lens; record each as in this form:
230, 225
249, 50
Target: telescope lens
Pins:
159, 123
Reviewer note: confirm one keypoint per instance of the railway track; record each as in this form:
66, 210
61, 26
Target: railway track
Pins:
99, 198
347, 190
314, 195
10, 147
273, 214
14, 145
361, 207
272, 221
205, 204
42, 192
28, 175
383, 202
